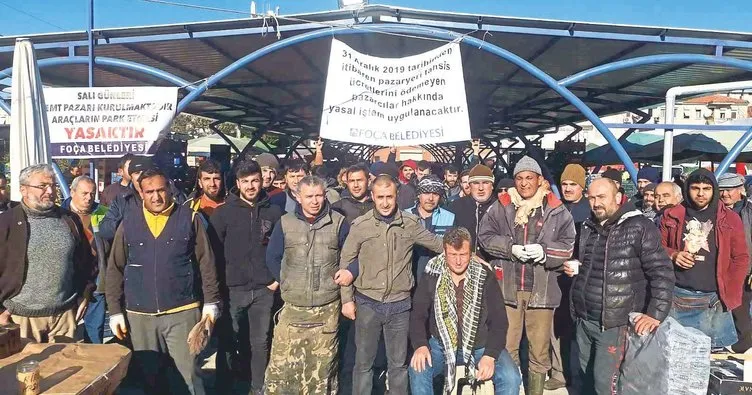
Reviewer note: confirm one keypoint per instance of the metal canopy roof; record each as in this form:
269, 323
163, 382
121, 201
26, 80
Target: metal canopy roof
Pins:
284, 90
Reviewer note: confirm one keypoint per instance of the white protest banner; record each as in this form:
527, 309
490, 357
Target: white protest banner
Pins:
107, 122
414, 100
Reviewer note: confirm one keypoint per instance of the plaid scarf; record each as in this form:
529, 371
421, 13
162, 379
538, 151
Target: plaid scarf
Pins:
445, 312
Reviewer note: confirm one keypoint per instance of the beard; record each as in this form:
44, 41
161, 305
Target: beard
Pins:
39, 205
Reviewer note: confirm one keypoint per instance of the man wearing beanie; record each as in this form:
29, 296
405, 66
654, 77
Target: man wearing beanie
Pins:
438, 220
711, 260
406, 192
269, 169
469, 210
734, 197
647, 205
616, 176
131, 199
529, 234
645, 176
564, 368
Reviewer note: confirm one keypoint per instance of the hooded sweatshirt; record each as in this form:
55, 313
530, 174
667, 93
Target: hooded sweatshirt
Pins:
700, 225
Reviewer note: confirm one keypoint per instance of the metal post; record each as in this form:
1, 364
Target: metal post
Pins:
90, 33
734, 152
668, 138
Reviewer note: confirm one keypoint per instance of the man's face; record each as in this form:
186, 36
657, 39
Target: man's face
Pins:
458, 259
4, 194
76, 171
481, 190
357, 184
292, 178
571, 190
40, 192
407, 172
450, 179
268, 174
134, 177
124, 172
83, 196
700, 194
527, 183
384, 198
249, 186
642, 183
281, 183
731, 196
422, 173
664, 196
465, 184
156, 194
604, 199
648, 198
429, 201
210, 183
311, 199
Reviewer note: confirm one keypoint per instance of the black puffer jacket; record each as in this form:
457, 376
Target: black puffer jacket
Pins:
637, 275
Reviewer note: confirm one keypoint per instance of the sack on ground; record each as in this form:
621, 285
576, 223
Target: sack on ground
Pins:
672, 360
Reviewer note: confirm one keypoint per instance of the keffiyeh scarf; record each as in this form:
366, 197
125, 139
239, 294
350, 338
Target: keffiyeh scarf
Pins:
445, 312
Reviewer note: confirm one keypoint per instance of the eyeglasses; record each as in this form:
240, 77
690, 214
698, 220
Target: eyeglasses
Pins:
42, 187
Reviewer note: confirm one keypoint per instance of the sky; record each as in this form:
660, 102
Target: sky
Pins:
48, 16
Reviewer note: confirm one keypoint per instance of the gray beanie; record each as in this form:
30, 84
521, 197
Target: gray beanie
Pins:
267, 160
527, 164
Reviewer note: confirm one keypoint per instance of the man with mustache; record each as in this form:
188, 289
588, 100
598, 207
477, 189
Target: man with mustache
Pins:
529, 234
622, 269
46, 266
161, 281
210, 191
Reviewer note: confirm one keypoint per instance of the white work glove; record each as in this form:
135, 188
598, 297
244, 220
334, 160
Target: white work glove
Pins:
117, 326
519, 252
536, 253
211, 310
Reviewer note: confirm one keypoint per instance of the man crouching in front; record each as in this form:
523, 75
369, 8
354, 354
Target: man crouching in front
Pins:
460, 302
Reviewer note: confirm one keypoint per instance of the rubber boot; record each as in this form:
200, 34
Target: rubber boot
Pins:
535, 383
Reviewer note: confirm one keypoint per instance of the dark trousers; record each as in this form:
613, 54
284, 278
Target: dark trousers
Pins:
369, 326
601, 353
94, 319
244, 336
160, 344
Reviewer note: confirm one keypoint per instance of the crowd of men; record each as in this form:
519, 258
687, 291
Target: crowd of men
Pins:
314, 284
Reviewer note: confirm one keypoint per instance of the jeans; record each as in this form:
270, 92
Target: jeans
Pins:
245, 328
369, 326
601, 353
704, 311
506, 377
94, 319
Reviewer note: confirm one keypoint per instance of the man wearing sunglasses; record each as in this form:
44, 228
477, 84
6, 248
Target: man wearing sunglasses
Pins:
46, 267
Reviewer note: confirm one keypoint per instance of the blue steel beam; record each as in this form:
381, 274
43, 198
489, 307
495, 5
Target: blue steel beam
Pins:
428, 32
656, 59
734, 152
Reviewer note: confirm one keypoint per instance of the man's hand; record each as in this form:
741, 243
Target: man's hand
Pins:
476, 147
118, 327
421, 357
212, 311
684, 260
485, 368
536, 253
319, 144
348, 310
83, 304
392, 150
273, 286
645, 324
569, 267
519, 252
343, 278
5, 318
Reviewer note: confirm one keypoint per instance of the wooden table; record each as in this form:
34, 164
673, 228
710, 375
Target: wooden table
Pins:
85, 369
